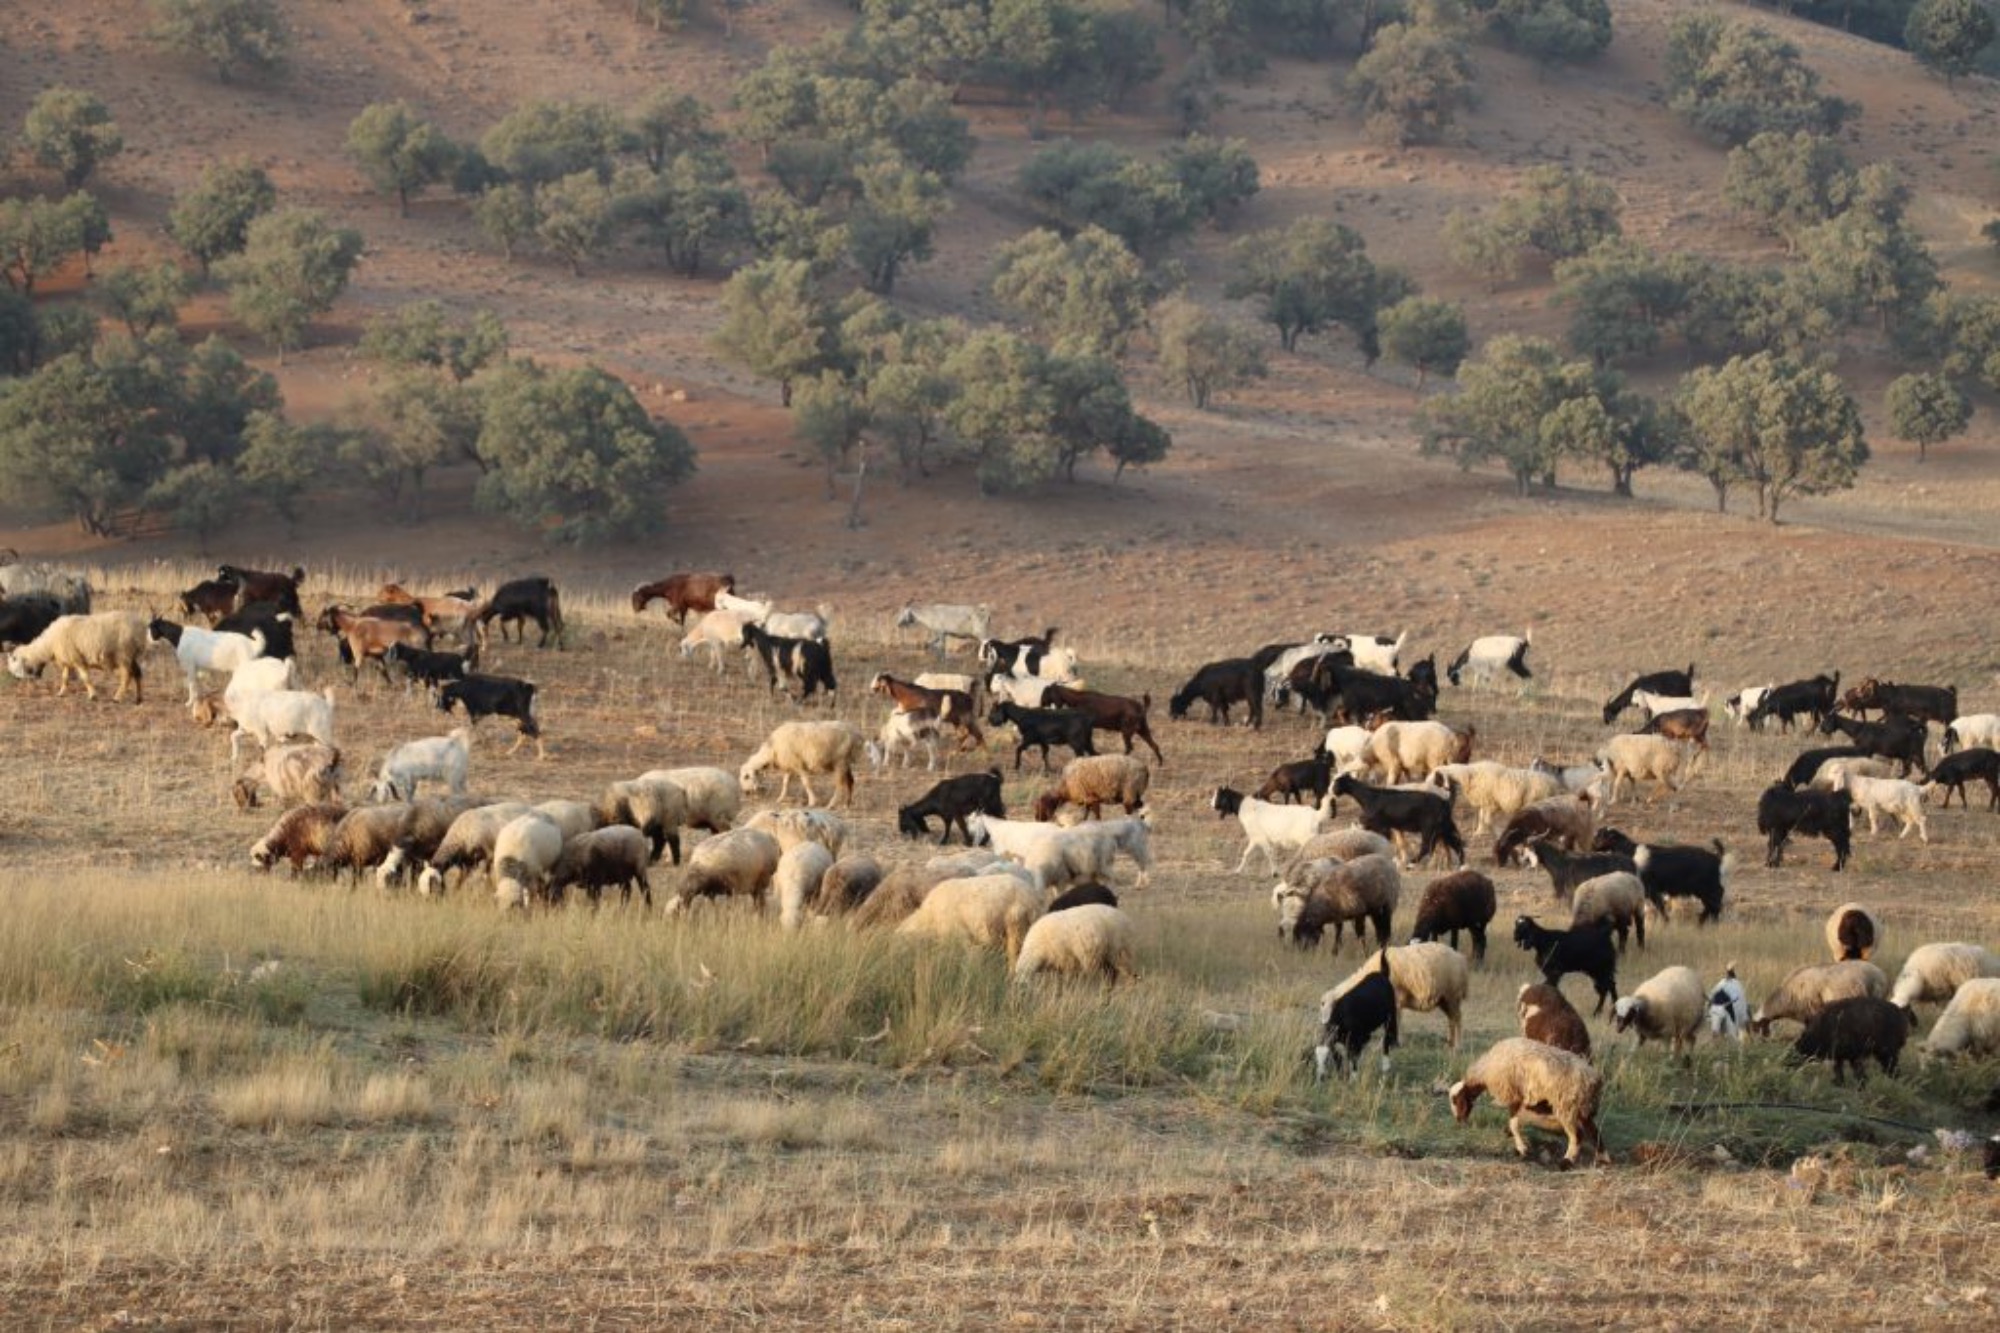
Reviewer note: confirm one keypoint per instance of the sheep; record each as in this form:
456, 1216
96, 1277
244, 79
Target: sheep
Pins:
846, 885
1951, 773
952, 801
198, 650
1668, 1006
1729, 1007
901, 733
1969, 729
1547, 1016
1345, 746
1833, 774
1275, 830
739, 863
1568, 821
1341, 844
792, 827
717, 630
1353, 1015
524, 854
900, 893
422, 832
947, 620
300, 835
1095, 780
656, 807
468, 843
1492, 788
1933, 972
1807, 990
1082, 940
1970, 1024
1055, 857
984, 910
79, 644
302, 774
713, 796
1879, 796
959, 681
1585, 949
803, 748
270, 716
1490, 654
1317, 893
1415, 749
1852, 932
1781, 813
439, 758
796, 881
20, 577
1617, 900
1643, 758
1849, 1031
615, 855
364, 838
1428, 978
1541, 1085
1460, 901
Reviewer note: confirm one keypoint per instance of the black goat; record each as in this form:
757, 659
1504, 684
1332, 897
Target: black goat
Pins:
1222, 685
1673, 684
257, 585
951, 801
1301, 777
1897, 736
1675, 870
1812, 698
1585, 949
1567, 870
1925, 703
1978, 764
807, 661
23, 618
1852, 1031
1460, 901
1810, 762
1368, 1007
1267, 656
1386, 810
428, 667
521, 600
496, 696
1782, 812
275, 622
1044, 727
1365, 693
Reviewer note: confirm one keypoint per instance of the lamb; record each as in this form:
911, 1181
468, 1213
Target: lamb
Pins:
901, 733
1668, 1006
984, 910
1487, 656
1617, 900
1729, 1007
270, 716
1547, 1016
1568, 821
524, 854
1849, 1031
1781, 813
611, 857
1643, 758
1585, 949
953, 800
803, 748
1852, 932
1277, 831
80, 644
198, 650
1978, 764
1428, 978
1879, 796
1082, 940
900, 893
437, 758
846, 885
959, 681
716, 630
1969, 729
1095, 780
1317, 893
1492, 788
655, 806
301, 834
1805, 991
1055, 857
364, 838
1353, 1015
1540, 1085
468, 843
302, 774
713, 796
1933, 972
947, 620
1970, 1024
1415, 749
792, 827
1460, 901
796, 881
739, 864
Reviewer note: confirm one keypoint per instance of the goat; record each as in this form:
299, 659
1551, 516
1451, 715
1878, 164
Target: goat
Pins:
1044, 727
1782, 812
1812, 698
1109, 712
519, 601
683, 593
1679, 684
1389, 809
949, 706
1897, 736
952, 800
496, 696
1222, 685
256, 585
1925, 703
1979, 764
1586, 949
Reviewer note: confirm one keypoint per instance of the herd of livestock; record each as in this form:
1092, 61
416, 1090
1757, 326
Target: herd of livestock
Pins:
1039, 888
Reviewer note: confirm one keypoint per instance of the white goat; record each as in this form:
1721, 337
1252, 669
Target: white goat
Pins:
1278, 831
716, 630
198, 650
947, 620
438, 758
784, 624
1744, 702
1656, 704
1372, 652
270, 716
901, 733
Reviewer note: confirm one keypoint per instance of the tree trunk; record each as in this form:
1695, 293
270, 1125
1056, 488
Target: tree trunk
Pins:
403, 200
854, 519
784, 393
1721, 495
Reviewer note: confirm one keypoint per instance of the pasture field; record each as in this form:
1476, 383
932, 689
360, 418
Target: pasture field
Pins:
235, 1100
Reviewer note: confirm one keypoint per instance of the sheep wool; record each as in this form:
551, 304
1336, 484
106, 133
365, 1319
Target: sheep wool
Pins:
1428, 978
1970, 1024
1933, 973
986, 910
523, 855
797, 878
1806, 991
1852, 931
801, 749
1668, 1006
740, 863
1540, 1085
1092, 939
112, 641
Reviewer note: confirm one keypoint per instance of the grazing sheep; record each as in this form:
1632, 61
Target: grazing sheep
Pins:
1318, 893
1668, 1006
792, 827
900, 893
1642, 758
1082, 940
801, 749
656, 807
468, 843
1617, 900
1350, 1016
422, 833
1277, 831
1547, 1016
364, 838
1933, 973
1540, 1085
1848, 1032
1805, 991
306, 773
1428, 978
615, 856
1492, 788
79, 644
1852, 932
524, 854
713, 796
1056, 857
846, 885
1415, 749
1568, 821
437, 758
1460, 901
738, 864
1883, 796
1094, 780
1970, 1024
796, 881
1342, 844
301, 834
984, 910
1729, 1006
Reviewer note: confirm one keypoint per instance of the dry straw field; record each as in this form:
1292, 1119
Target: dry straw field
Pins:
248, 1101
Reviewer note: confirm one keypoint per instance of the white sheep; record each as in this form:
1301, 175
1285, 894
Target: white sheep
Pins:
1641, 758
947, 620
197, 650
713, 796
572, 817
1970, 1024
716, 630
270, 716
792, 827
1655, 704
1540, 1085
796, 880
1093, 939
656, 807
443, 759
79, 644
950, 680
1833, 774
1668, 1006
611, 857
307, 773
901, 734
800, 749
1345, 747
1972, 729
1492, 788
1618, 900
1933, 973
1277, 831
736, 864
1428, 978
525, 851
986, 910
1314, 894
1883, 796
1059, 857
1852, 931
1414, 749
1805, 991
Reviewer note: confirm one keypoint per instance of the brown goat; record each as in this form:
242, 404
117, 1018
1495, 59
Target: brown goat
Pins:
368, 637
683, 593
1682, 724
1108, 712
446, 615
952, 707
